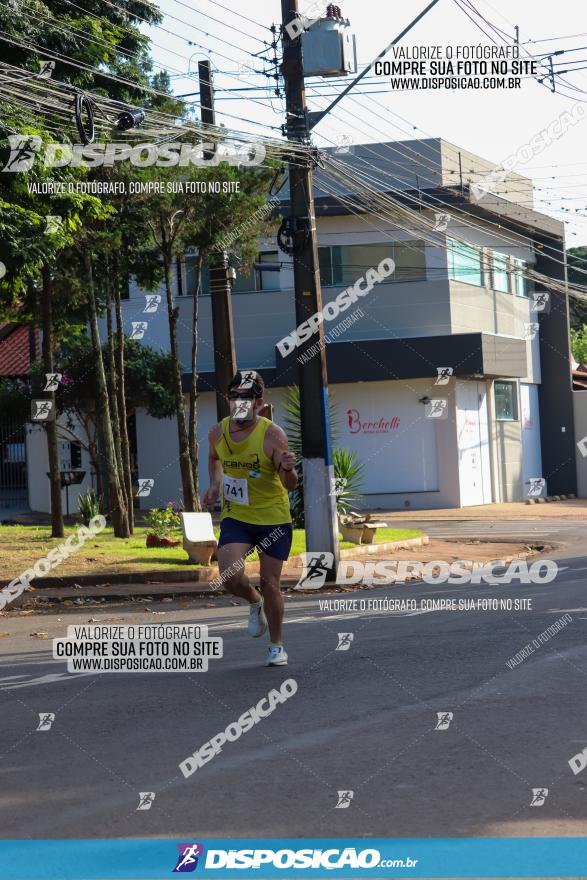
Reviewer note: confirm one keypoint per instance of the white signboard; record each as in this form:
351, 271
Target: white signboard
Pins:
386, 425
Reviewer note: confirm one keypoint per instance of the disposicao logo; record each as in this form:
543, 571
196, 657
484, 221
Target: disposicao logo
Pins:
187, 860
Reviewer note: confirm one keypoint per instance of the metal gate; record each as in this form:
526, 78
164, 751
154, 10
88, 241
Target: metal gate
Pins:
13, 467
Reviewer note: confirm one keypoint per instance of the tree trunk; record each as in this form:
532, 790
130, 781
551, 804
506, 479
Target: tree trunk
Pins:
92, 428
115, 493
185, 464
193, 404
122, 414
51, 425
94, 458
112, 386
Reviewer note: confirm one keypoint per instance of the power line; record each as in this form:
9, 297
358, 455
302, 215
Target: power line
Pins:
551, 39
66, 59
91, 38
233, 12
445, 205
354, 178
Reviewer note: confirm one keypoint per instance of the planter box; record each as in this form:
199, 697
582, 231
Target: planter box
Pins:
202, 552
360, 533
156, 541
352, 533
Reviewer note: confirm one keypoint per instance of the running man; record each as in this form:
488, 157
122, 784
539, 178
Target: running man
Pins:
249, 462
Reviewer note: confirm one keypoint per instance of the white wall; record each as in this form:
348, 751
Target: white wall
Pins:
399, 456
531, 447
400, 463
38, 466
580, 410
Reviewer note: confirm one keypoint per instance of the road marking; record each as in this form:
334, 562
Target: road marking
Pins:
48, 679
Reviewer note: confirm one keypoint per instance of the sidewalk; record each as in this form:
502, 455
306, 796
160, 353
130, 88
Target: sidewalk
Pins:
160, 587
572, 508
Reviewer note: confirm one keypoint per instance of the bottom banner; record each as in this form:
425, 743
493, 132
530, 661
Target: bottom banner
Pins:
224, 858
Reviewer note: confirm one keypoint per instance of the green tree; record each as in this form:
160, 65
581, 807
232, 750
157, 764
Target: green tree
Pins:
232, 211
576, 274
111, 51
110, 44
147, 382
579, 344
35, 231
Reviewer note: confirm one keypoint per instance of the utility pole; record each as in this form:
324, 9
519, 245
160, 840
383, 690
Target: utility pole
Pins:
319, 501
220, 286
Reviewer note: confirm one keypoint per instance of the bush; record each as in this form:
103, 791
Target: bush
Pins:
90, 505
164, 520
348, 471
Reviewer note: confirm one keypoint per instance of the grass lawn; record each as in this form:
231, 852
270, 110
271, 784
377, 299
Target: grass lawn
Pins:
22, 546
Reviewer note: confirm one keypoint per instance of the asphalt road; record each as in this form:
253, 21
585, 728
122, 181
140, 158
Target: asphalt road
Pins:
570, 531
362, 720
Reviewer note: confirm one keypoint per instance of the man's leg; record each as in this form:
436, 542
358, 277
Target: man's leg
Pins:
231, 563
270, 572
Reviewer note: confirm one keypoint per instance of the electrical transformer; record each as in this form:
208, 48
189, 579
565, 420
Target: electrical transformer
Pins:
328, 46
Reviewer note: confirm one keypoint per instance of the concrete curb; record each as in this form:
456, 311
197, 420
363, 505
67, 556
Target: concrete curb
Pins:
197, 581
543, 499
106, 579
369, 549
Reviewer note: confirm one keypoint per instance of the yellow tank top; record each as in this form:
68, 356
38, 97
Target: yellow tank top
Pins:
251, 489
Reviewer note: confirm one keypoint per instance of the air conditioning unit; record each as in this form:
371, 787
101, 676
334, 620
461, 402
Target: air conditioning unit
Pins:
329, 46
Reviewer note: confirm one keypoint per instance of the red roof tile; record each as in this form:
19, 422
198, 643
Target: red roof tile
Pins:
15, 350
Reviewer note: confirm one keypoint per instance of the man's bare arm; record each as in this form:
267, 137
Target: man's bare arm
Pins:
282, 458
214, 469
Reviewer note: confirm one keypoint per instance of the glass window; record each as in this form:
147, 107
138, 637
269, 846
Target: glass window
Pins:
410, 261
519, 278
499, 272
75, 456
245, 281
268, 280
357, 259
506, 409
464, 263
325, 260
344, 264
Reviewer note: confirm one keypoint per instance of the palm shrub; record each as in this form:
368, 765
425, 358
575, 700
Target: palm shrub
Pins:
90, 505
348, 477
348, 471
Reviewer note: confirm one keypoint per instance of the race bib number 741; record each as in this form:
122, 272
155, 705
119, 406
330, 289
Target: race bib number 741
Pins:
236, 490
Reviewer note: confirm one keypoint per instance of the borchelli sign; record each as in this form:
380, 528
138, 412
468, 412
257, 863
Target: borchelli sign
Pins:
376, 426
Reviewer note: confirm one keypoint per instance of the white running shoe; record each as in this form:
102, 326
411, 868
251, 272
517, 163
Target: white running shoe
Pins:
257, 620
276, 656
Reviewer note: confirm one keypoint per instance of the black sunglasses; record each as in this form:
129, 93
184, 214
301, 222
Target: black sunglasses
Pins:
242, 395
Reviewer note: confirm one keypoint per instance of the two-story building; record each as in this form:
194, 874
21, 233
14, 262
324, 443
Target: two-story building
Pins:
459, 298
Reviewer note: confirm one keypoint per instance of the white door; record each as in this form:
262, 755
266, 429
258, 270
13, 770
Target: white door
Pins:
473, 443
531, 449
